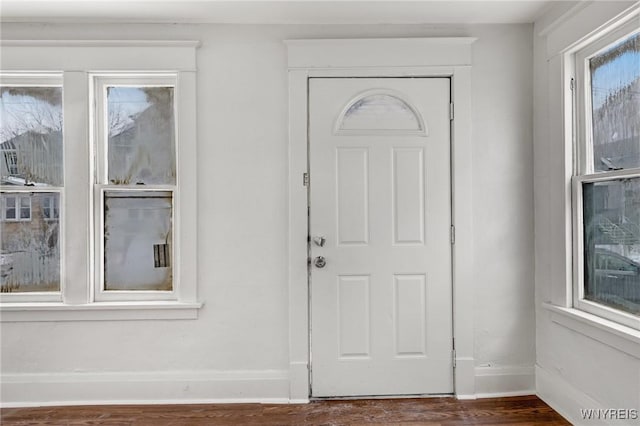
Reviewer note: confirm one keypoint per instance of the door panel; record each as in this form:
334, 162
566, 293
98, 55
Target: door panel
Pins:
381, 319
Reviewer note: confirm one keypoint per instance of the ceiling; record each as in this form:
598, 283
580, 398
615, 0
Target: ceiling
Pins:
275, 12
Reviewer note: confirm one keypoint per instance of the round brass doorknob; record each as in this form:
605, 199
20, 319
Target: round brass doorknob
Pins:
320, 262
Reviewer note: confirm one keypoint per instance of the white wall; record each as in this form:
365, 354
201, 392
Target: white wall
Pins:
237, 348
578, 365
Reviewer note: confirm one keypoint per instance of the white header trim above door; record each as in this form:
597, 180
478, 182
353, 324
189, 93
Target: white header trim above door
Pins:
407, 57
379, 52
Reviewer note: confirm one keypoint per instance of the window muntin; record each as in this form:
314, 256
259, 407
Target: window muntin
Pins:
606, 184
136, 185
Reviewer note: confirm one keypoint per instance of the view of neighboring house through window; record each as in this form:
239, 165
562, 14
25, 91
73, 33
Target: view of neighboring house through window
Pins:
138, 182
31, 178
141, 135
609, 184
11, 161
16, 207
50, 208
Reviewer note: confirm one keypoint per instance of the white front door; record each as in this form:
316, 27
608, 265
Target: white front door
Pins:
380, 218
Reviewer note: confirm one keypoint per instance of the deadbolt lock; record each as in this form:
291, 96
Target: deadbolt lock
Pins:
319, 240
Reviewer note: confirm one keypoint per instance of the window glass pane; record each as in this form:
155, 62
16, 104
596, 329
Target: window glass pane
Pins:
380, 112
615, 98
25, 208
137, 240
612, 243
141, 135
30, 249
46, 208
31, 135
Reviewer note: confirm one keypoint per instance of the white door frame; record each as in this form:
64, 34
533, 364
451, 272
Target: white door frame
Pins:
410, 57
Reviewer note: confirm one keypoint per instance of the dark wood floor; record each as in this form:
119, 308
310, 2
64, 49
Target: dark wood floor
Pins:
524, 410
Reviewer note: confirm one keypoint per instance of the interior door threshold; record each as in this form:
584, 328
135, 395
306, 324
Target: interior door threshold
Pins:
410, 396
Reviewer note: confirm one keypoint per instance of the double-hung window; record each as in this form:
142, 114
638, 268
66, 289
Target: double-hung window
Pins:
31, 145
606, 183
97, 180
135, 185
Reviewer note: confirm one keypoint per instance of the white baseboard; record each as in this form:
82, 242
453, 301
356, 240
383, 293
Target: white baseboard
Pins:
179, 387
202, 387
494, 382
565, 399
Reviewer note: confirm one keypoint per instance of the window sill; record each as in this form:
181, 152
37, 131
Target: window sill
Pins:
99, 311
617, 336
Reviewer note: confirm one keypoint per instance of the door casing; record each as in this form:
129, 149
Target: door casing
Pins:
416, 57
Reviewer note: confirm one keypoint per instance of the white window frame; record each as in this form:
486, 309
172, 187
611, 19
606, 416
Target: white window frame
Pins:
583, 168
34, 79
77, 62
100, 83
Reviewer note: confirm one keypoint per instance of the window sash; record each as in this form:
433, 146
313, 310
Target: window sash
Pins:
583, 159
578, 249
36, 296
99, 293
100, 83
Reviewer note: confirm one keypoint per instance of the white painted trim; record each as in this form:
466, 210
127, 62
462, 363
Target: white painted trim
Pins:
193, 44
151, 387
580, 24
97, 99
464, 372
557, 16
617, 336
463, 276
98, 55
576, 65
564, 398
78, 62
389, 52
449, 57
101, 311
497, 382
199, 401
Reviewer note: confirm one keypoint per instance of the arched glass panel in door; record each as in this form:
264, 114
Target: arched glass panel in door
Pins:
380, 112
